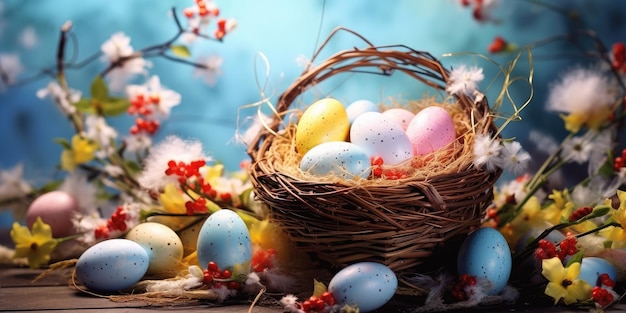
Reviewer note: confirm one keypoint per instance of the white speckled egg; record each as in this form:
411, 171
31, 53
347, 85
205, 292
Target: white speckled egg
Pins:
164, 247
379, 136
225, 240
399, 115
485, 254
342, 159
189, 237
56, 209
359, 107
325, 120
368, 285
112, 265
431, 129
592, 267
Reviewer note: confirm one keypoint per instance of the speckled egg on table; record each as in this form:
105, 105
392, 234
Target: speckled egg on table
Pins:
342, 159
368, 285
379, 136
225, 240
164, 247
486, 255
112, 265
325, 120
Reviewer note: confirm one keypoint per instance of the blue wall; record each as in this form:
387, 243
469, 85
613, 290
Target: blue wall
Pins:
282, 30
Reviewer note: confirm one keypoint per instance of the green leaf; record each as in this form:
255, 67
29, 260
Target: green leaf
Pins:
99, 89
84, 106
181, 51
578, 257
114, 106
64, 143
132, 166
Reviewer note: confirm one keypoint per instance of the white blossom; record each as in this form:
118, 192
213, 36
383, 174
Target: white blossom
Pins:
12, 185
172, 148
10, 68
464, 81
159, 97
116, 48
212, 68
61, 97
85, 224
290, 303
28, 37
99, 131
85, 193
514, 158
577, 149
581, 91
487, 152
138, 142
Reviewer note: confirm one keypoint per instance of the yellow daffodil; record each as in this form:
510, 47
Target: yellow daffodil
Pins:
82, 150
35, 246
563, 282
592, 119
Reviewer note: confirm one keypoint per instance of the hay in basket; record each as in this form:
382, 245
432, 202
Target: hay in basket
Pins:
399, 222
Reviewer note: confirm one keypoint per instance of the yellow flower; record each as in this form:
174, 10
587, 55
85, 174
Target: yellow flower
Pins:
35, 246
563, 282
620, 214
592, 119
82, 151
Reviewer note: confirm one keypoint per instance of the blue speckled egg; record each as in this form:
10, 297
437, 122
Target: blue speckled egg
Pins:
112, 265
368, 285
592, 267
380, 136
359, 107
342, 159
485, 254
225, 240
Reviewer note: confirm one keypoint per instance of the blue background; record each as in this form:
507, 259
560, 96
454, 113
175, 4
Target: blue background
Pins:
282, 30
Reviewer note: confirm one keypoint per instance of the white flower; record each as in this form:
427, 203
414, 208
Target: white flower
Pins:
85, 193
28, 37
61, 97
464, 81
514, 158
116, 48
99, 131
577, 149
487, 152
86, 224
581, 90
10, 68
210, 70
155, 95
543, 142
12, 185
290, 303
258, 123
172, 148
138, 142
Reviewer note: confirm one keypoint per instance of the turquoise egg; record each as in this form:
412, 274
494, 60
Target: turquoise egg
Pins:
486, 255
367, 285
342, 159
112, 265
592, 267
225, 240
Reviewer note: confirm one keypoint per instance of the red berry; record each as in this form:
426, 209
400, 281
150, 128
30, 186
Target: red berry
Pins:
605, 280
306, 306
376, 160
212, 267
226, 274
328, 298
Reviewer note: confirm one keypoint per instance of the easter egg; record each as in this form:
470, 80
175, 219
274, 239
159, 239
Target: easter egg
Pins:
368, 285
402, 117
359, 107
189, 237
430, 130
56, 208
325, 120
338, 158
485, 255
164, 247
592, 267
112, 265
379, 136
225, 240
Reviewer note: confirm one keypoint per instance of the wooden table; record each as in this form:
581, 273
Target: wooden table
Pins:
53, 294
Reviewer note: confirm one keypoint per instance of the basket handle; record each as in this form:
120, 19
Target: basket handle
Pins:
382, 60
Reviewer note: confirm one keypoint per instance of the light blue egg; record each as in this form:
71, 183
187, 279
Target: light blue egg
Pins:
112, 265
368, 285
486, 255
342, 159
592, 267
359, 107
225, 240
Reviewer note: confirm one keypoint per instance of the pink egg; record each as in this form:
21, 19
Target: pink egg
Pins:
430, 130
56, 209
399, 115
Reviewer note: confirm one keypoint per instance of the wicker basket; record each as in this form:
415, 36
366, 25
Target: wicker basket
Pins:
395, 222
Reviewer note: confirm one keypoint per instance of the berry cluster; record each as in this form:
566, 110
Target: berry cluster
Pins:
202, 14
620, 161
618, 56
216, 278
547, 250
458, 291
318, 304
498, 45
143, 106
148, 126
263, 260
580, 213
378, 171
117, 222
601, 292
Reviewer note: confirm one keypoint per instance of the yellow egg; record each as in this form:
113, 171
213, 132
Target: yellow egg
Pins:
325, 120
